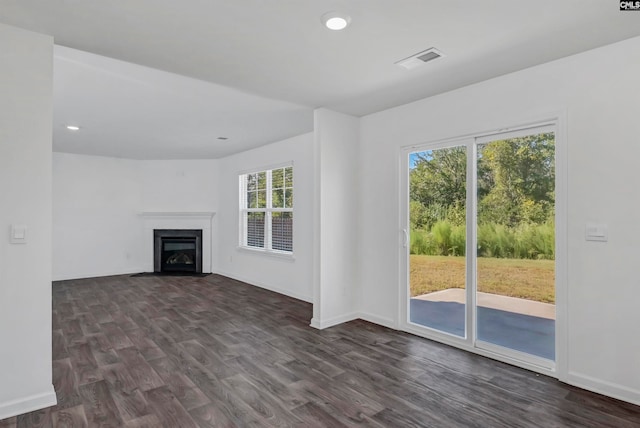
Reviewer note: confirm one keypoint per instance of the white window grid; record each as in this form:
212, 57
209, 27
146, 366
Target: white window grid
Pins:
268, 210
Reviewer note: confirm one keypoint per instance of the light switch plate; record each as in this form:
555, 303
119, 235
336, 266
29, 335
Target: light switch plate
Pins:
18, 234
596, 232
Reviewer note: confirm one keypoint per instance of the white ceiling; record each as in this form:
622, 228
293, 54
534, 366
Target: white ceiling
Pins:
130, 111
278, 49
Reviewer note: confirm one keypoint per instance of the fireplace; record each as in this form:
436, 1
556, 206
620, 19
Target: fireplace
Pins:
177, 250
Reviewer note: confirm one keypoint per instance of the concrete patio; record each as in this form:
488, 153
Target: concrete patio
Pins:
519, 324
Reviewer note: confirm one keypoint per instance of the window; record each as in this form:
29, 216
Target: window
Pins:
266, 210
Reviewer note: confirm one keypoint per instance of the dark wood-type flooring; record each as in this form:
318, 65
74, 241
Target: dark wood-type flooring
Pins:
214, 352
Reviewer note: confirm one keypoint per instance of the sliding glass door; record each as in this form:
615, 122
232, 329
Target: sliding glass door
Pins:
438, 206
515, 244
481, 243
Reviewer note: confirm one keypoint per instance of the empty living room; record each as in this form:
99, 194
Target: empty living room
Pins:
319, 213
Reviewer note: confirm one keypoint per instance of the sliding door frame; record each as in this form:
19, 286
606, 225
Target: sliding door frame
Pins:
471, 141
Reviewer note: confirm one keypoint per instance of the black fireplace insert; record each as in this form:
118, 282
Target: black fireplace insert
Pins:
177, 250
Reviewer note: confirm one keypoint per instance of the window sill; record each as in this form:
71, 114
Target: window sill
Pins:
274, 254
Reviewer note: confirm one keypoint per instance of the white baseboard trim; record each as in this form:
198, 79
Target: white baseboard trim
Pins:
322, 324
385, 322
265, 286
97, 275
28, 404
603, 387
315, 323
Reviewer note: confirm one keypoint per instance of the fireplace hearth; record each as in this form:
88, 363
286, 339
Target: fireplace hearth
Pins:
177, 251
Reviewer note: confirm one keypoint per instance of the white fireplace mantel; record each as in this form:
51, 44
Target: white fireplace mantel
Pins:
178, 220
180, 214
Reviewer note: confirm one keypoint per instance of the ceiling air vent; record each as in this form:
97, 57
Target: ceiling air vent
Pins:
420, 58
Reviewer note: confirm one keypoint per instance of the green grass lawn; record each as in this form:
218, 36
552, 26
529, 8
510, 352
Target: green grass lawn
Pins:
527, 279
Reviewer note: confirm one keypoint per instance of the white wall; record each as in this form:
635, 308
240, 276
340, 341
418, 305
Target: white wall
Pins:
600, 93
25, 195
96, 227
97, 202
286, 276
336, 218
179, 185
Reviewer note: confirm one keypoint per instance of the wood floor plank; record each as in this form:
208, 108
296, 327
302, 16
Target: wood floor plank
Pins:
347, 411
124, 391
409, 419
116, 335
101, 314
8, 422
99, 407
168, 408
148, 421
314, 416
59, 345
148, 348
145, 377
603, 404
88, 323
187, 392
65, 384
124, 321
208, 359
271, 378
469, 393
38, 419
190, 397
84, 363
73, 417
211, 416
172, 329
214, 344
73, 332
155, 351
263, 403
102, 349
225, 400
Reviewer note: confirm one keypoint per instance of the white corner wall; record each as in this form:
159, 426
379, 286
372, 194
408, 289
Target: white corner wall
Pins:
25, 173
292, 277
336, 159
96, 227
598, 91
99, 230
179, 185
182, 187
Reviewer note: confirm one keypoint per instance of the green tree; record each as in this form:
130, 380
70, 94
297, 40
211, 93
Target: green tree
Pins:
515, 194
516, 180
438, 181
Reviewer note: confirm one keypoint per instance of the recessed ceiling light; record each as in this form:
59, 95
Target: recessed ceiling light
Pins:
336, 21
73, 128
223, 138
